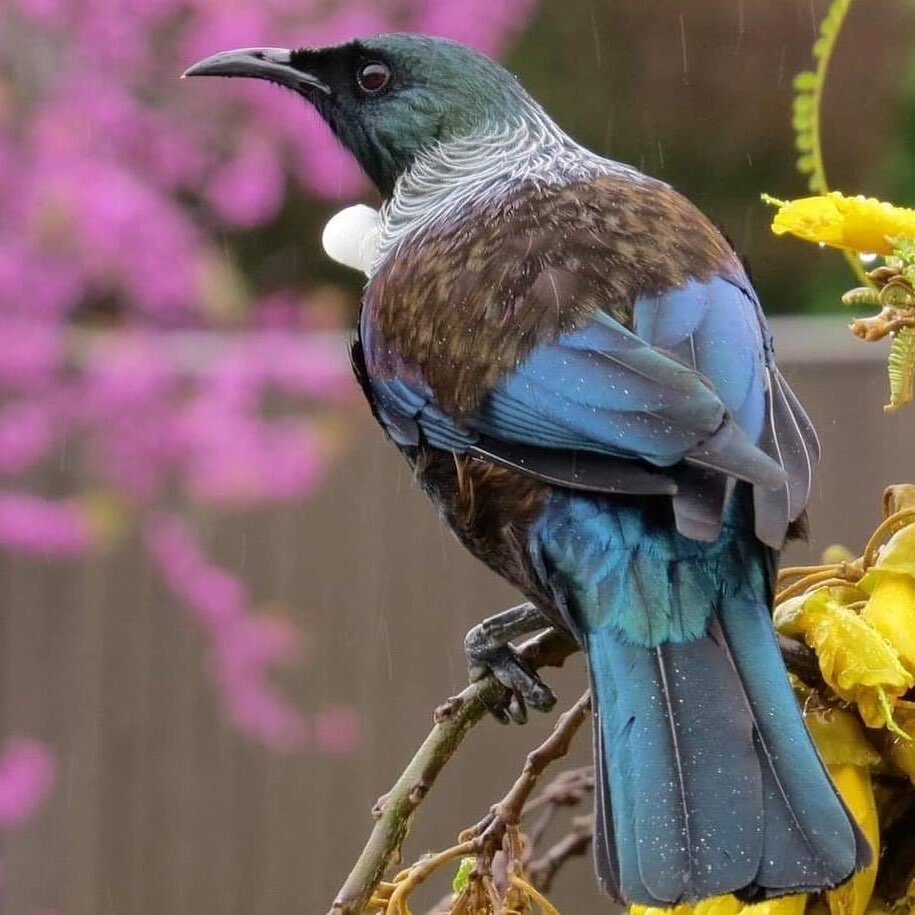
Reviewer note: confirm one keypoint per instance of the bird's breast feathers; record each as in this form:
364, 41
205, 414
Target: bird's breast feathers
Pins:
466, 301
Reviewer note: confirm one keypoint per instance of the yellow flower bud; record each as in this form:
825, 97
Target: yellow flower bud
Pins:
836, 553
901, 752
848, 756
838, 735
891, 611
854, 784
786, 905
729, 905
718, 905
891, 586
681, 909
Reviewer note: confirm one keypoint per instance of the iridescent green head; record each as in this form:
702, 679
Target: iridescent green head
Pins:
387, 98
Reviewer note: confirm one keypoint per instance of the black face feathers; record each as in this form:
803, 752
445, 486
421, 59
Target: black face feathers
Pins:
340, 68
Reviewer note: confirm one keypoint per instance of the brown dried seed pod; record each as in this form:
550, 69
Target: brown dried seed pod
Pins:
880, 276
897, 293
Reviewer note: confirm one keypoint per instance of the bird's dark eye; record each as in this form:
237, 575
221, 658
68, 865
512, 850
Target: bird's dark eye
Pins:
373, 77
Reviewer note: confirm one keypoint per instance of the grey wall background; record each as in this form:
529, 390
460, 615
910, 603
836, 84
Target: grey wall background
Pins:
160, 808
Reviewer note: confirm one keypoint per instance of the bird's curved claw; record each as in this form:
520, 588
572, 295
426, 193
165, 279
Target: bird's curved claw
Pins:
523, 686
489, 650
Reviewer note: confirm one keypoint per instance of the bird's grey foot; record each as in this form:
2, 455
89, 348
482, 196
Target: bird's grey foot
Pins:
489, 650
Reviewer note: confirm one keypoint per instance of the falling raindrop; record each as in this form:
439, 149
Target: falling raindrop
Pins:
821, 244
867, 257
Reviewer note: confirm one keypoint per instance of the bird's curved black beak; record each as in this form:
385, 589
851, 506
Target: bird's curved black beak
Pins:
273, 64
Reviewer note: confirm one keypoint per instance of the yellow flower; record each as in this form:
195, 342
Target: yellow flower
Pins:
786, 905
901, 752
729, 905
681, 909
891, 611
855, 659
856, 223
849, 757
718, 905
853, 782
837, 733
891, 586
854, 785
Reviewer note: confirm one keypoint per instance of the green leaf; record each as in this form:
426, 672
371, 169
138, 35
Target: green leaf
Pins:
462, 877
803, 142
805, 164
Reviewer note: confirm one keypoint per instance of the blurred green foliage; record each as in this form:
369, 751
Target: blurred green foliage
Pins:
701, 95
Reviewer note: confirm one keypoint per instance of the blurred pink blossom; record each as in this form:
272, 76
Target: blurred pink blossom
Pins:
336, 730
27, 773
244, 648
31, 353
27, 432
130, 332
247, 190
483, 24
43, 526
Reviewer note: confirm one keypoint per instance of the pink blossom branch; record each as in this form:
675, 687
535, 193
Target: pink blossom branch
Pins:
244, 647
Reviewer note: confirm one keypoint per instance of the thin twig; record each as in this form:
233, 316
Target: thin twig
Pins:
565, 789
801, 571
575, 843
419, 873
802, 584
887, 528
491, 830
453, 721
545, 906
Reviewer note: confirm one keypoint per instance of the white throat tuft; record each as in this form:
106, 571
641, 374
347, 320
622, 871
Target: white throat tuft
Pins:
351, 237
480, 169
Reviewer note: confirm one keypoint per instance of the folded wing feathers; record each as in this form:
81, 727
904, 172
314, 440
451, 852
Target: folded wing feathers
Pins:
604, 391
789, 439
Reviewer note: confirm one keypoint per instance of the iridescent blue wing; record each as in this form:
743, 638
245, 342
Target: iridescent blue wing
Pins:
718, 328
693, 385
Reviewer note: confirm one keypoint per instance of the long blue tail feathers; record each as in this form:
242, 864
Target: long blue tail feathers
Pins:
707, 781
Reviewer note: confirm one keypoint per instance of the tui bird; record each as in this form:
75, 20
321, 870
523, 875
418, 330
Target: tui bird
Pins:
574, 362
